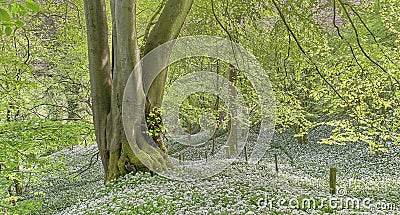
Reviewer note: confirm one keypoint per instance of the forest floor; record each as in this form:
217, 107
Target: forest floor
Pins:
367, 184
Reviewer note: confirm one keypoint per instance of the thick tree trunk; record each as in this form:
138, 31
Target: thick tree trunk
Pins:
100, 71
108, 84
125, 57
167, 28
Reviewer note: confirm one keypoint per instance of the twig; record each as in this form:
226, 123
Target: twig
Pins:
350, 46
28, 47
305, 53
370, 32
361, 47
84, 169
152, 22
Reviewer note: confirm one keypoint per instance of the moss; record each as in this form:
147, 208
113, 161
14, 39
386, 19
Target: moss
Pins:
126, 161
132, 158
113, 171
121, 163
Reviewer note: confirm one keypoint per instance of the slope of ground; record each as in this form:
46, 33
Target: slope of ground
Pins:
367, 184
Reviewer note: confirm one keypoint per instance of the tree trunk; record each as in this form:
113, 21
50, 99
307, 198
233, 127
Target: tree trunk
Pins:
100, 71
167, 28
232, 141
108, 83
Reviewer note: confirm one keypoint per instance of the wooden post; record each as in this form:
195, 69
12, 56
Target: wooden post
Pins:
213, 146
245, 153
276, 162
332, 181
228, 152
180, 158
190, 130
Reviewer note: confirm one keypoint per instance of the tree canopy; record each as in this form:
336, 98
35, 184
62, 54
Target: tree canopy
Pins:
65, 64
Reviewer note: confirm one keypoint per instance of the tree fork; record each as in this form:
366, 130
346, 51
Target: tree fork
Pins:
119, 156
166, 28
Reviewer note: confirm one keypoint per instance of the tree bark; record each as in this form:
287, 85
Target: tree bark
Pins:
167, 28
100, 71
125, 57
232, 141
108, 82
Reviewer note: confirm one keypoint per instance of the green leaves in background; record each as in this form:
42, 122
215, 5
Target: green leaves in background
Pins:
19, 23
32, 5
25, 147
11, 14
4, 16
8, 30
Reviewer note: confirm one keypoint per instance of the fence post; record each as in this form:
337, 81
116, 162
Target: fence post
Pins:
245, 153
332, 180
181, 158
228, 151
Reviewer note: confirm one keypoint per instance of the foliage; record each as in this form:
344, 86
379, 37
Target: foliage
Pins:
153, 120
331, 63
44, 66
12, 13
24, 153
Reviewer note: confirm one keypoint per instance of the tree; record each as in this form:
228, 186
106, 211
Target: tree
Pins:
110, 72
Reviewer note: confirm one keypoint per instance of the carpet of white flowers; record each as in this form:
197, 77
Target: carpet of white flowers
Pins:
367, 184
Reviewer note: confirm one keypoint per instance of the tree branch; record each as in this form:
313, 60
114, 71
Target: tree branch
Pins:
151, 21
370, 32
361, 47
305, 53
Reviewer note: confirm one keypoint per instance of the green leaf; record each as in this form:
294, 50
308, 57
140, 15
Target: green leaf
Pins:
4, 16
8, 31
19, 23
1, 31
32, 5
22, 10
8, 23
